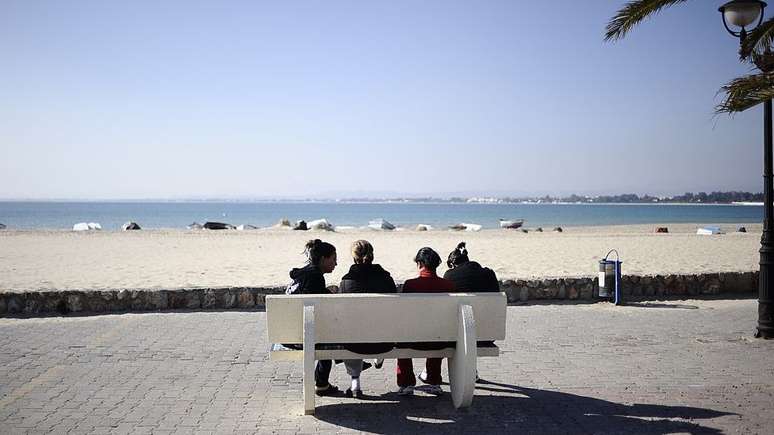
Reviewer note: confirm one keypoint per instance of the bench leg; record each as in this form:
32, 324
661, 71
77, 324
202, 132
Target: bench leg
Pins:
309, 342
462, 367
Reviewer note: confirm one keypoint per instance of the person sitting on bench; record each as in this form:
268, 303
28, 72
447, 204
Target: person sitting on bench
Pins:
469, 275
427, 261
364, 277
309, 280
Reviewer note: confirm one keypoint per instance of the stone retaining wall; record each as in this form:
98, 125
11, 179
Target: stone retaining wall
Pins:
103, 301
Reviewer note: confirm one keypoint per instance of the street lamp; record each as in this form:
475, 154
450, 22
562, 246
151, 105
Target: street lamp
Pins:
742, 13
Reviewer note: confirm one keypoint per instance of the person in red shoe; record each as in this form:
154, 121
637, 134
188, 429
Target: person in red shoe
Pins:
427, 261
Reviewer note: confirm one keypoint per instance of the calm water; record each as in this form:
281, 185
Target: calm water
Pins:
111, 215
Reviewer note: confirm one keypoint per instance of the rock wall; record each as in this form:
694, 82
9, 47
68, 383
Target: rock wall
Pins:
103, 301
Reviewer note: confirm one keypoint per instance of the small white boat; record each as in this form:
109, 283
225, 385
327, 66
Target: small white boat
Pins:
320, 224
130, 226
708, 231
83, 226
511, 224
380, 224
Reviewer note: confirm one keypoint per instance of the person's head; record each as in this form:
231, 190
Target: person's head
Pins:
362, 252
426, 258
321, 254
458, 256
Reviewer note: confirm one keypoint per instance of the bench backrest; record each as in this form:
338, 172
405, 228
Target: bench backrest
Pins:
375, 318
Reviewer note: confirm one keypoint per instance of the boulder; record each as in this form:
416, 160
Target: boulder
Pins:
129, 226
283, 223
246, 227
218, 226
195, 226
739, 230
662, 230
558, 229
423, 227
300, 226
2, 226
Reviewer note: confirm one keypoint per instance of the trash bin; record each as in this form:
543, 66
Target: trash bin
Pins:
610, 278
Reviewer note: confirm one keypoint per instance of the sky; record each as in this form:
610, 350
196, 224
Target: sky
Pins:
284, 99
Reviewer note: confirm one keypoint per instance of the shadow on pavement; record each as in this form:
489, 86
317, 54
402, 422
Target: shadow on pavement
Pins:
657, 305
511, 408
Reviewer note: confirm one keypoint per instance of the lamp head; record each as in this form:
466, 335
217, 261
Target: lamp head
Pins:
742, 14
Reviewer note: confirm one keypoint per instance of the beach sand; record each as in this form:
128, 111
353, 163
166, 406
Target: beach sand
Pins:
64, 260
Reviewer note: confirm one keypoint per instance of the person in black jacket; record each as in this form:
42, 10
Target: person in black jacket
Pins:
309, 280
364, 277
468, 275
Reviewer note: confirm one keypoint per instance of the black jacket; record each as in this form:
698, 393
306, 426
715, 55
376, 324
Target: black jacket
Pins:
472, 277
367, 278
307, 280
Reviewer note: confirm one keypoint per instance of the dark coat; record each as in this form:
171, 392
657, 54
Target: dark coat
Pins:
471, 277
307, 280
367, 278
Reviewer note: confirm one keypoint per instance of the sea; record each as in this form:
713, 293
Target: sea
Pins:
29, 215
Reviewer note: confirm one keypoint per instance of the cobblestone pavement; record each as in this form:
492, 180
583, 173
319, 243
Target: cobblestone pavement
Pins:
659, 367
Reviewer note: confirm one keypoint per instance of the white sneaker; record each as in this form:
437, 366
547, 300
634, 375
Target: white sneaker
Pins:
435, 390
406, 391
423, 376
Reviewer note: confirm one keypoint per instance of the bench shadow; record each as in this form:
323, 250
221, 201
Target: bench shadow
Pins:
508, 408
658, 305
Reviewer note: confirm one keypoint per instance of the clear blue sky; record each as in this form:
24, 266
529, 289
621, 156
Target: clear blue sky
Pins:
149, 99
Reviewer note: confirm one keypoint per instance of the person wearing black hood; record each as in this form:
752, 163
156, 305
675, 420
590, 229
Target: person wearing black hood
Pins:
309, 280
365, 277
469, 275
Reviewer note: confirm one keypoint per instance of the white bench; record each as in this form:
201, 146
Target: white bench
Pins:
334, 320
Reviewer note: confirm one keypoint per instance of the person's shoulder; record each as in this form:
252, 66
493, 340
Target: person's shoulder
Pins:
377, 268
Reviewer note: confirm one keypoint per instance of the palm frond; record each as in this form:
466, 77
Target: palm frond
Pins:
745, 92
758, 41
632, 14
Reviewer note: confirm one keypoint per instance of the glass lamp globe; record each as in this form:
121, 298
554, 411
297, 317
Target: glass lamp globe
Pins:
742, 13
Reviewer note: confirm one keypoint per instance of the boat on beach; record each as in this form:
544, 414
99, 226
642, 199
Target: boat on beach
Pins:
380, 224
511, 224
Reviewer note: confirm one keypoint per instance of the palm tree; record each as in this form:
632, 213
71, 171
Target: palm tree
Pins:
740, 93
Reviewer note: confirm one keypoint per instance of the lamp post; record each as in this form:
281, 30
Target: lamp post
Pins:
743, 13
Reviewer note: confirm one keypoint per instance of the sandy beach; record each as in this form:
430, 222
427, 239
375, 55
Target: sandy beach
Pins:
64, 260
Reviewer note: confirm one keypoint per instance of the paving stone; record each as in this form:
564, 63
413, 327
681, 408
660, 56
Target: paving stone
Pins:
651, 367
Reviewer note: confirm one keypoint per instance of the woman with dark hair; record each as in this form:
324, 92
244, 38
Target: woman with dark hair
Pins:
309, 280
427, 262
469, 275
364, 277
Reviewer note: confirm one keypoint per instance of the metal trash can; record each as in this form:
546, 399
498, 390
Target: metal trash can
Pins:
610, 278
